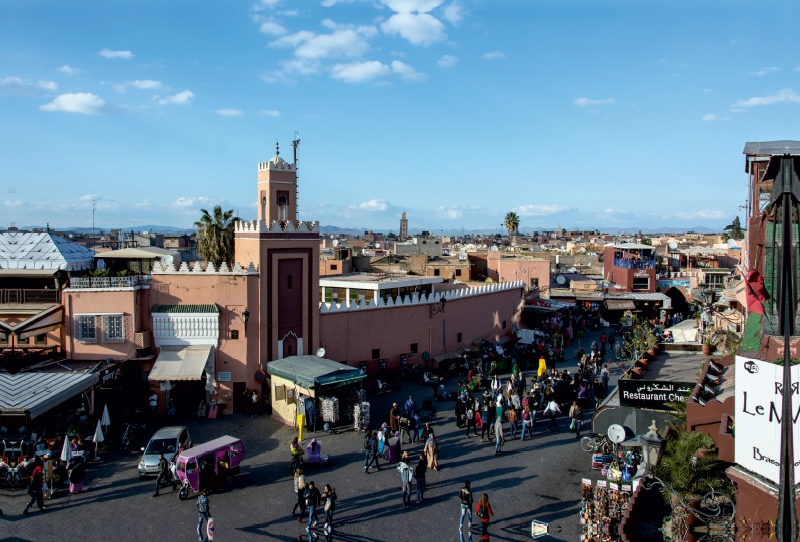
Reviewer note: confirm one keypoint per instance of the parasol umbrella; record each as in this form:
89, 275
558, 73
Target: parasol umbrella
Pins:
98, 435
66, 451
105, 421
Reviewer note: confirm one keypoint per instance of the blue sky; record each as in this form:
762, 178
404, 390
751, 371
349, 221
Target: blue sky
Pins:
592, 114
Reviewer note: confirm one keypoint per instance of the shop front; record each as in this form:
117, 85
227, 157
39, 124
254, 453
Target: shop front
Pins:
309, 390
185, 375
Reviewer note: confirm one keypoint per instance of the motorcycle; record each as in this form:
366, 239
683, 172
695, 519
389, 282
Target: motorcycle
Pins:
127, 440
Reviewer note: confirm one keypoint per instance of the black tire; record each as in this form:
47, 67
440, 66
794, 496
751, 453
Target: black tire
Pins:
183, 494
229, 481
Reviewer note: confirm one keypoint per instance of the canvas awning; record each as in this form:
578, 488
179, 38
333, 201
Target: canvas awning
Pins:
620, 305
36, 393
176, 363
309, 371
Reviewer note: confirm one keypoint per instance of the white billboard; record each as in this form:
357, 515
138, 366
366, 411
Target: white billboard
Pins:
759, 395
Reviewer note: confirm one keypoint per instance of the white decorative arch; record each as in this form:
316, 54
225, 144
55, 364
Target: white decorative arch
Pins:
299, 344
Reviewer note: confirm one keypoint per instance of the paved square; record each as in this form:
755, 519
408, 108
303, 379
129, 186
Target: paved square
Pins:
538, 478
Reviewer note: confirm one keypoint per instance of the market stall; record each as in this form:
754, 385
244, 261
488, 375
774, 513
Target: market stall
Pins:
304, 388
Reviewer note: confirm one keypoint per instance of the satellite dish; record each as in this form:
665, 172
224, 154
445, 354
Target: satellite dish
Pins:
732, 243
560, 279
673, 245
335, 243
582, 250
683, 240
493, 249
321, 353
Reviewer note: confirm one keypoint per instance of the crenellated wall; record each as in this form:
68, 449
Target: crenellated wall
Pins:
260, 226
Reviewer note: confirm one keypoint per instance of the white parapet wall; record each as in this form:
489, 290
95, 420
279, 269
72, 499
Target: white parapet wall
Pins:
416, 299
209, 269
260, 226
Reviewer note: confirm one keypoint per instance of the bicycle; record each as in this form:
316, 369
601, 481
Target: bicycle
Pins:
597, 443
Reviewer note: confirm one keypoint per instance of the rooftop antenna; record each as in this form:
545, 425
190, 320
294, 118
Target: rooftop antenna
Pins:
94, 208
295, 143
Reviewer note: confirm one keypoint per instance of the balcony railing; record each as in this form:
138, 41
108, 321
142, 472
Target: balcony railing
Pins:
109, 282
20, 295
634, 264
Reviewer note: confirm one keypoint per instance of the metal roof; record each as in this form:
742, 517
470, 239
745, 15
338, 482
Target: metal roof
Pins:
766, 148
36, 393
307, 371
185, 309
633, 246
37, 251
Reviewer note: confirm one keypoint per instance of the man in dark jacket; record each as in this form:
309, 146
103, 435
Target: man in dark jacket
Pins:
203, 513
466, 504
371, 445
163, 473
35, 491
312, 497
419, 474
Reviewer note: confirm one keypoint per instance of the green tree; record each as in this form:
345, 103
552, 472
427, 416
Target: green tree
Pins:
735, 229
215, 235
511, 222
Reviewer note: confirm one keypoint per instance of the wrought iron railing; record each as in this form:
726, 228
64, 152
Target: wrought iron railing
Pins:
20, 295
634, 264
109, 282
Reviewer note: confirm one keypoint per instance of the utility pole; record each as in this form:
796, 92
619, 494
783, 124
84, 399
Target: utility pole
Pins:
295, 143
94, 208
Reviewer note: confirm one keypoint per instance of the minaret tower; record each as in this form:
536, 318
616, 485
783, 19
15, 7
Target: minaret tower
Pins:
403, 228
287, 254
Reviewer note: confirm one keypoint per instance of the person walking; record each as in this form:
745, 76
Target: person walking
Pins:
372, 457
485, 422
484, 511
203, 514
406, 477
405, 427
312, 497
552, 410
367, 449
605, 375
329, 498
498, 436
431, 451
411, 406
466, 505
527, 422
576, 415
394, 419
495, 387
419, 474
471, 414
299, 489
35, 491
164, 473
512, 422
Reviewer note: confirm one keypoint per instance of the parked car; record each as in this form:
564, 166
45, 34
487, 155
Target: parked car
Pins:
166, 440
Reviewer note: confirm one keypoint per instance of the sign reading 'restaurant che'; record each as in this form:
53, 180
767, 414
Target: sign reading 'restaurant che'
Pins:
653, 394
759, 392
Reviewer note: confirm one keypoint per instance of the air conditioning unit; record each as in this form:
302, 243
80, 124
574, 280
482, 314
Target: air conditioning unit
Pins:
142, 339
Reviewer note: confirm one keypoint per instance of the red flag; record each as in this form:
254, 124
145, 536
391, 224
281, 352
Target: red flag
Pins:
756, 293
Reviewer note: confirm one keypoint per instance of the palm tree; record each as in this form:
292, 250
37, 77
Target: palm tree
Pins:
215, 235
511, 222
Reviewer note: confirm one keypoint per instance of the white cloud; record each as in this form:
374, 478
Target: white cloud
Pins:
79, 102
194, 202
266, 4
288, 13
145, 84
707, 90
448, 61
293, 40
374, 205
539, 210
15, 203
450, 213
711, 118
344, 41
270, 112
418, 28
182, 98
586, 102
783, 96
453, 13
765, 71
230, 112
705, 213
357, 72
496, 55
107, 53
25, 86
407, 72
88, 197
329, 3
69, 70
269, 26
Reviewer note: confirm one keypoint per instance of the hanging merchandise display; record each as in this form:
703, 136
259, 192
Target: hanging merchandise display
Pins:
603, 506
330, 409
361, 415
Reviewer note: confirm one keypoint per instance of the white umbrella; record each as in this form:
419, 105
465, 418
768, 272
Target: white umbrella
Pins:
98, 436
66, 451
105, 420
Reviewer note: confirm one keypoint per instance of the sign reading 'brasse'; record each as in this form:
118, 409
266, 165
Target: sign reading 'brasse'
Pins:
759, 396
653, 394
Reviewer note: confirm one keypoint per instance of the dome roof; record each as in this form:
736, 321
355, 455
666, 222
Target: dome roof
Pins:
277, 160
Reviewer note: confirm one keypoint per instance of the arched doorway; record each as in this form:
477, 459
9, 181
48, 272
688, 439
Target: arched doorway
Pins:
678, 298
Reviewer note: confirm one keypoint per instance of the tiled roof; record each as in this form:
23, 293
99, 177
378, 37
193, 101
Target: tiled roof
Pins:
185, 309
21, 250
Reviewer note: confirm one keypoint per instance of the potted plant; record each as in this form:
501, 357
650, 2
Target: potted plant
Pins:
707, 345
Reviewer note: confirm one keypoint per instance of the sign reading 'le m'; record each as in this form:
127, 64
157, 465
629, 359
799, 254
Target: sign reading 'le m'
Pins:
759, 393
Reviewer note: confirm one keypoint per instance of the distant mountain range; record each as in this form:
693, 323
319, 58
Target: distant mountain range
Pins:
336, 230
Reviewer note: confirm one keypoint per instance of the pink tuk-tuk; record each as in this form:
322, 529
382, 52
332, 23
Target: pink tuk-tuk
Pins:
209, 465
